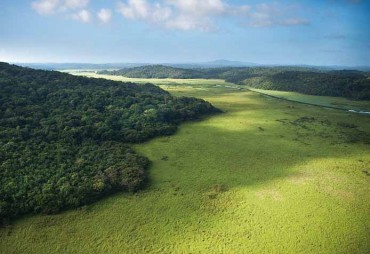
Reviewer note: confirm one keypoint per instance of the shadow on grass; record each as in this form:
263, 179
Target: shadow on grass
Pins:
243, 148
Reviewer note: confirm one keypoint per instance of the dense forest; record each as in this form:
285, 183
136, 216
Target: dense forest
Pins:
156, 71
65, 140
349, 84
230, 74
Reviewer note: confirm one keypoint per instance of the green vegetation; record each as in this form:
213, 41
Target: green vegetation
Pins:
324, 101
155, 71
64, 139
267, 176
201, 83
194, 86
230, 74
349, 84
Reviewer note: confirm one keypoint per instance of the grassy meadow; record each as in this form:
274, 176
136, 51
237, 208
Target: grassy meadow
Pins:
181, 84
163, 82
325, 101
265, 176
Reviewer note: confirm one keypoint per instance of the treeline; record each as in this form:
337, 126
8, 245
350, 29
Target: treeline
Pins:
230, 74
156, 71
64, 140
349, 84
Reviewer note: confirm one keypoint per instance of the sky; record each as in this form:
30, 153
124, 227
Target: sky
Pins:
286, 32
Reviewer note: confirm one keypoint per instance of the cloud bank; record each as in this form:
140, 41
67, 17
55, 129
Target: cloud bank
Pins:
49, 7
74, 9
185, 15
203, 15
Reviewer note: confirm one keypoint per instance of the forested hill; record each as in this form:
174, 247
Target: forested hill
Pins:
231, 74
156, 71
350, 84
64, 140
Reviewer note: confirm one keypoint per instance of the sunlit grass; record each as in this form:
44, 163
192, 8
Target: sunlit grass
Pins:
245, 181
338, 102
166, 81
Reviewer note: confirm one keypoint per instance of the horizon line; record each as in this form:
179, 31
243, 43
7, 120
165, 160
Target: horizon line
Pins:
190, 63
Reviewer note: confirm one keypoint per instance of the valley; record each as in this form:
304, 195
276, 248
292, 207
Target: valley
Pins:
264, 176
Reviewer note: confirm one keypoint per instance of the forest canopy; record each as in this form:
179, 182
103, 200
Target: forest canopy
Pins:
349, 84
65, 140
344, 83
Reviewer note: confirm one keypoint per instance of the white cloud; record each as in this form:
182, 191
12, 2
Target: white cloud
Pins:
142, 10
175, 14
83, 16
202, 15
180, 14
105, 15
45, 7
196, 15
184, 22
50, 7
76, 4
266, 15
138, 9
196, 7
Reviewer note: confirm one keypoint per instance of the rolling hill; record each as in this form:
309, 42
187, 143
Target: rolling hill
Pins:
65, 140
344, 83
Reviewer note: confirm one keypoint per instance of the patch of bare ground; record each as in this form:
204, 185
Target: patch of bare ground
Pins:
301, 178
270, 194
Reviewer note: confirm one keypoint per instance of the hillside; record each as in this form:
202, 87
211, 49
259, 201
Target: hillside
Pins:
64, 140
229, 184
230, 74
349, 84
156, 71
84, 66
306, 80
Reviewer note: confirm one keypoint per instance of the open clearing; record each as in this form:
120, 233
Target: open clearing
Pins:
266, 176
166, 81
177, 84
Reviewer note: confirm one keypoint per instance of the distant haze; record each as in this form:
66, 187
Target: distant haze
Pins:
209, 64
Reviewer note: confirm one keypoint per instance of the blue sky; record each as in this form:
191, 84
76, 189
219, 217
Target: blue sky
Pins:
326, 32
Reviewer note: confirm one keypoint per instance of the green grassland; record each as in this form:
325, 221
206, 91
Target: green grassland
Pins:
167, 81
325, 101
201, 84
265, 176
